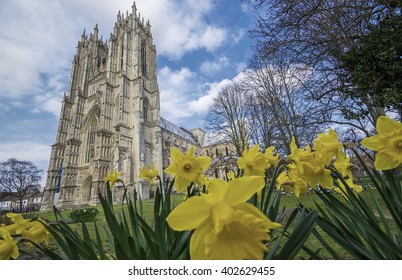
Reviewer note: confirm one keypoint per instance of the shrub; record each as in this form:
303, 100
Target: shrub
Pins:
82, 215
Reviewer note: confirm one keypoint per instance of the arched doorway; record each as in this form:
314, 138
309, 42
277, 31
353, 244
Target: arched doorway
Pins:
86, 190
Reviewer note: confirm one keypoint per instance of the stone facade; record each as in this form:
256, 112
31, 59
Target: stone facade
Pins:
110, 118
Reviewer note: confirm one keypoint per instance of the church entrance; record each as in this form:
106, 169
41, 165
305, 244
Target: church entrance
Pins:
86, 190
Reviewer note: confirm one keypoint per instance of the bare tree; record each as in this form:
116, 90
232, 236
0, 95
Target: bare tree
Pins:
18, 177
282, 106
228, 116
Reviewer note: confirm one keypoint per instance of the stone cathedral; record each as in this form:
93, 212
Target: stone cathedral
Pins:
110, 118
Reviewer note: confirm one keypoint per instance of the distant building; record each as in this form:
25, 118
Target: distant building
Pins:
32, 201
110, 118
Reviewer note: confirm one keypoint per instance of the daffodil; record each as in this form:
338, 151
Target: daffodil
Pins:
148, 174
295, 156
19, 224
187, 168
301, 162
387, 143
291, 183
322, 176
343, 165
342, 188
8, 246
112, 178
253, 162
226, 226
327, 146
37, 233
270, 157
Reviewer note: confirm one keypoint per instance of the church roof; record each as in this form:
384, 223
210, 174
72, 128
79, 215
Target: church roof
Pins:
214, 138
178, 130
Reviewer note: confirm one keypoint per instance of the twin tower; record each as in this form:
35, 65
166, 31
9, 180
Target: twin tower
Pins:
110, 117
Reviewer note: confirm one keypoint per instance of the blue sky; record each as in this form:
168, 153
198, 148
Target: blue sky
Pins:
201, 46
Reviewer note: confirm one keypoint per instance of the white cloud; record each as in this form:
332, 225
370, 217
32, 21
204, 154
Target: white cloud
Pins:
202, 104
241, 67
210, 68
245, 7
25, 150
38, 37
180, 26
237, 36
183, 95
49, 103
33, 37
175, 88
212, 38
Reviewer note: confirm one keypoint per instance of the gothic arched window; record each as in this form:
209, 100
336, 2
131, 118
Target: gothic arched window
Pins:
90, 139
143, 58
145, 109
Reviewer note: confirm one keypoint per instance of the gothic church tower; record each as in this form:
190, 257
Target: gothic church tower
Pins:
110, 117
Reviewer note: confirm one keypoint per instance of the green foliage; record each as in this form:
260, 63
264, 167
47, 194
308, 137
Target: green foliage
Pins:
286, 242
129, 235
4, 220
363, 232
82, 215
363, 228
374, 65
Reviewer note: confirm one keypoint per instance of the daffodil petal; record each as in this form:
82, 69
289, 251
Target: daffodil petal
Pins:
171, 169
254, 150
190, 151
384, 162
175, 154
387, 125
197, 244
251, 209
204, 161
241, 189
326, 180
217, 189
373, 143
181, 184
189, 214
241, 162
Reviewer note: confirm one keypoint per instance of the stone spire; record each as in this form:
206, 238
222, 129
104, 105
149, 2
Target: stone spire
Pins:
134, 9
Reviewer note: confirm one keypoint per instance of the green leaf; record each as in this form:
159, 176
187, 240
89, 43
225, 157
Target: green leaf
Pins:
297, 239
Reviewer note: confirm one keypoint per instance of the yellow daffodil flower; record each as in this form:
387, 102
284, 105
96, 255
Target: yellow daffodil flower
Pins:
295, 155
19, 223
342, 188
322, 176
253, 162
226, 226
290, 183
112, 178
8, 247
270, 157
301, 162
327, 146
343, 165
148, 174
187, 168
387, 143
37, 233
